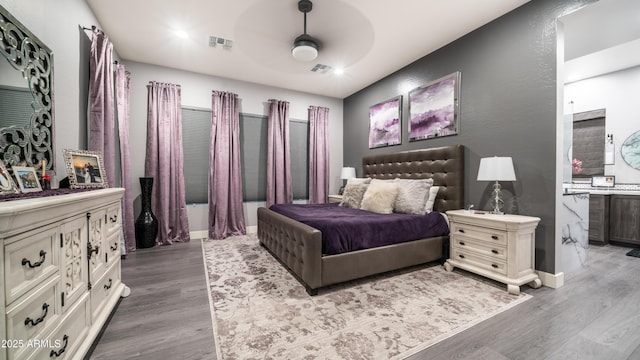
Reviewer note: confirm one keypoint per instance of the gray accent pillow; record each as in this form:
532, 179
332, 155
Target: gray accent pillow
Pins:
412, 195
359, 181
352, 196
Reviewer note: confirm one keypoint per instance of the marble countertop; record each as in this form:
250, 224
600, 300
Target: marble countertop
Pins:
572, 191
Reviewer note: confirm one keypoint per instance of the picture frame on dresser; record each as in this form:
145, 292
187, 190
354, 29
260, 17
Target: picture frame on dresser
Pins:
27, 179
7, 185
85, 169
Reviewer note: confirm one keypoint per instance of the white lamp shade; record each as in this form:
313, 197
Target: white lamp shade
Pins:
347, 173
496, 169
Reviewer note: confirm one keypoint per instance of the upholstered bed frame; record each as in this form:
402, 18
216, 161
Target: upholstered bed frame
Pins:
299, 247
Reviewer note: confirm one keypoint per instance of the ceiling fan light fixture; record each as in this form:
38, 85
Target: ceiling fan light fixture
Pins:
304, 48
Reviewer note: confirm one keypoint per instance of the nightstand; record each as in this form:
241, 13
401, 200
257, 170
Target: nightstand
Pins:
335, 198
500, 247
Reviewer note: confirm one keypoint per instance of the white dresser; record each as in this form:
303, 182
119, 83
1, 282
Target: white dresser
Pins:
60, 272
500, 247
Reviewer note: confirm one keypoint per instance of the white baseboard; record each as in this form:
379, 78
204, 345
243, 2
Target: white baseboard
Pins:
202, 234
252, 229
551, 280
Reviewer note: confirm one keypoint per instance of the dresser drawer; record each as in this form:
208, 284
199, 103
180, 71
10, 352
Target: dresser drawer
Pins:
113, 219
65, 340
30, 316
104, 289
480, 233
29, 259
468, 244
472, 258
112, 248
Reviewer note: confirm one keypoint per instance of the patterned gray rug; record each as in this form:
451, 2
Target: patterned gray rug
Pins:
261, 312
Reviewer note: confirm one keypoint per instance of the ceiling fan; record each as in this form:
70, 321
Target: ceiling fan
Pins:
305, 47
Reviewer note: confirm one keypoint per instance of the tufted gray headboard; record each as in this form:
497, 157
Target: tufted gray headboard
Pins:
444, 164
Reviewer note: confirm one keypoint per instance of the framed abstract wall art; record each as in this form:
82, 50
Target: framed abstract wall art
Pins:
85, 169
385, 123
434, 108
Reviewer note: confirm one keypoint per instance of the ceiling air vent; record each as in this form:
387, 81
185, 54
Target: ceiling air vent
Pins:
321, 69
216, 41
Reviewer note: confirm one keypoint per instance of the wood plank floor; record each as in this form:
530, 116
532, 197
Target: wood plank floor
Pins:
596, 315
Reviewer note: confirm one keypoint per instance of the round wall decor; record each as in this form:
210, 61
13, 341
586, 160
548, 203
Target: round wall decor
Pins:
630, 150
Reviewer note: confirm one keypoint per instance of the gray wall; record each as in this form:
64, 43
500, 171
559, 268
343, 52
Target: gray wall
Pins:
507, 108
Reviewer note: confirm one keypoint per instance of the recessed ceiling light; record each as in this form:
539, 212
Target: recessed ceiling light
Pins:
338, 71
182, 34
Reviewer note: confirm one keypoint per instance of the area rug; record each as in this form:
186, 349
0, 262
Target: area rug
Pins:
260, 311
634, 253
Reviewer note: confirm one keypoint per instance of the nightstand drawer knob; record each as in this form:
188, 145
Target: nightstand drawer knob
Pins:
494, 251
494, 237
461, 230
461, 256
461, 243
494, 266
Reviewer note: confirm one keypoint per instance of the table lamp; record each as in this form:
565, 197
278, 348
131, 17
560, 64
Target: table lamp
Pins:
496, 169
346, 174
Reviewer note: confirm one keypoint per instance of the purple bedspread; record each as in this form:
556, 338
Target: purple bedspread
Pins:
345, 229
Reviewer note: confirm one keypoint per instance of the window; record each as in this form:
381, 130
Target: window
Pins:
588, 143
196, 130
196, 135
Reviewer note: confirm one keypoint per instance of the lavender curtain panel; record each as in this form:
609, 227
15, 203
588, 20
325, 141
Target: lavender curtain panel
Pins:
123, 79
279, 188
164, 161
101, 102
318, 154
226, 213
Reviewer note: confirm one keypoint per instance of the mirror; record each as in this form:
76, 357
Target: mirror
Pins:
26, 96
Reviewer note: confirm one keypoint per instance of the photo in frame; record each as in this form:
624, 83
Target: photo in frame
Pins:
85, 169
27, 179
7, 186
434, 108
385, 121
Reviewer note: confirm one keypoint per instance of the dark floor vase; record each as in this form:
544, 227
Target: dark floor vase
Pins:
146, 223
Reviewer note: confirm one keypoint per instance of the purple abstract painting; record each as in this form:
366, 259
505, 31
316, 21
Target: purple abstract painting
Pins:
433, 108
384, 123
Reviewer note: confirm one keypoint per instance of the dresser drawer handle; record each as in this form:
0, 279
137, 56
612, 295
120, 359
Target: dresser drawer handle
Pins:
25, 261
108, 286
91, 250
28, 321
53, 353
113, 218
114, 247
461, 256
494, 251
461, 243
461, 230
494, 237
494, 266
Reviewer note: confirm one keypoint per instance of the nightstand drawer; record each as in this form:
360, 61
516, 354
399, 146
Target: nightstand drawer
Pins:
480, 233
471, 258
494, 251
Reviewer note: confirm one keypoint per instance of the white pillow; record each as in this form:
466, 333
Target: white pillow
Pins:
433, 193
380, 197
412, 195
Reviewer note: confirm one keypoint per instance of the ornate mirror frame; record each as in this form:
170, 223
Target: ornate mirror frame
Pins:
31, 143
